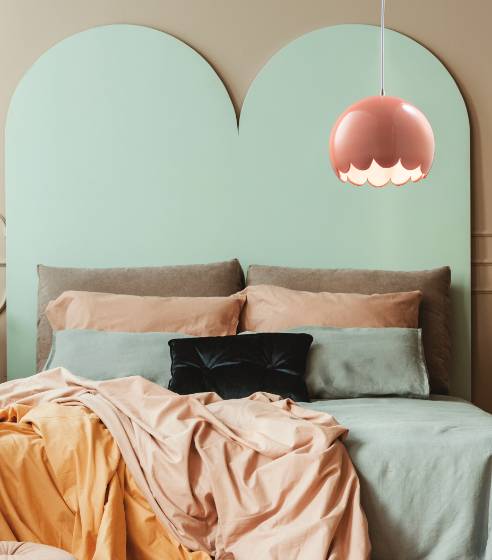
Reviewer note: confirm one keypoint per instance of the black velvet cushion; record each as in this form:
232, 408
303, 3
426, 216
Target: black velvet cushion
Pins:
237, 366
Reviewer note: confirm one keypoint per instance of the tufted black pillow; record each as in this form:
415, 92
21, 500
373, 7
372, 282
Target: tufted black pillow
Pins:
237, 366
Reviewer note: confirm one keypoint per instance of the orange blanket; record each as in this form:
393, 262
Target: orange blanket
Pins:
251, 478
63, 483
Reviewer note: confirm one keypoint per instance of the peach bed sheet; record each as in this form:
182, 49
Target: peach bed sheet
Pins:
239, 479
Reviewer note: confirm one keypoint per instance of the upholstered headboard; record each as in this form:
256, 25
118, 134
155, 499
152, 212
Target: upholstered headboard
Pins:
122, 149
216, 279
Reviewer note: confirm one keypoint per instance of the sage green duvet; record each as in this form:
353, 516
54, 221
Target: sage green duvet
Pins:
425, 468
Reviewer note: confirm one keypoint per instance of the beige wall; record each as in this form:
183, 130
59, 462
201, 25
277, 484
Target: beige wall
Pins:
238, 36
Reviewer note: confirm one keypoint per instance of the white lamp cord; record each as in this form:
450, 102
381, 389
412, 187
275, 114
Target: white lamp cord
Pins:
382, 47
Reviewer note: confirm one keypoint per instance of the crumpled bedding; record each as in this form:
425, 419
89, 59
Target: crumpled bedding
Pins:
63, 483
251, 478
19, 550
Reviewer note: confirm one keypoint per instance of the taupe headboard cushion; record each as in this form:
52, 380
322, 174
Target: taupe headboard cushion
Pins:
435, 310
216, 279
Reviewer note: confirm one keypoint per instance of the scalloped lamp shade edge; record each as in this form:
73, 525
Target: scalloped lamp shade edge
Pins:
380, 140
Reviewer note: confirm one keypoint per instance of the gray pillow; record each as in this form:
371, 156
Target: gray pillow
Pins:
362, 362
105, 355
435, 310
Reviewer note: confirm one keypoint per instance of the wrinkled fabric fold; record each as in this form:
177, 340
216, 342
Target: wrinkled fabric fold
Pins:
63, 483
250, 478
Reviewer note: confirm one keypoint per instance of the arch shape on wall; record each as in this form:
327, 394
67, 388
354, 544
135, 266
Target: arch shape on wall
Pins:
122, 149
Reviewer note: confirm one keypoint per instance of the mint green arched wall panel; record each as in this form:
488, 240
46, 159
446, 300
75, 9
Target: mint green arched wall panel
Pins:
123, 150
284, 128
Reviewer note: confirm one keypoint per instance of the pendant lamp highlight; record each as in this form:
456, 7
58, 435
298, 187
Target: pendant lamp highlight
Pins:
381, 139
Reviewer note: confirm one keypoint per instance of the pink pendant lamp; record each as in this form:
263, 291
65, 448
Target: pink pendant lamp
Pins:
381, 139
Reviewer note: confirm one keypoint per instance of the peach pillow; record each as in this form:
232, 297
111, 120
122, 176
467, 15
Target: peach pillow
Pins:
196, 316
272, 308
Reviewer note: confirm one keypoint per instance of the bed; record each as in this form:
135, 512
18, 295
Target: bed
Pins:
424, 464
117, 199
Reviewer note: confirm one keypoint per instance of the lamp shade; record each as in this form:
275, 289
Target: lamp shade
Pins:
381, 139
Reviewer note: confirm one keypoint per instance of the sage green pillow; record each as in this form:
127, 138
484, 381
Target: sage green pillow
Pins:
365, 362
105, 355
